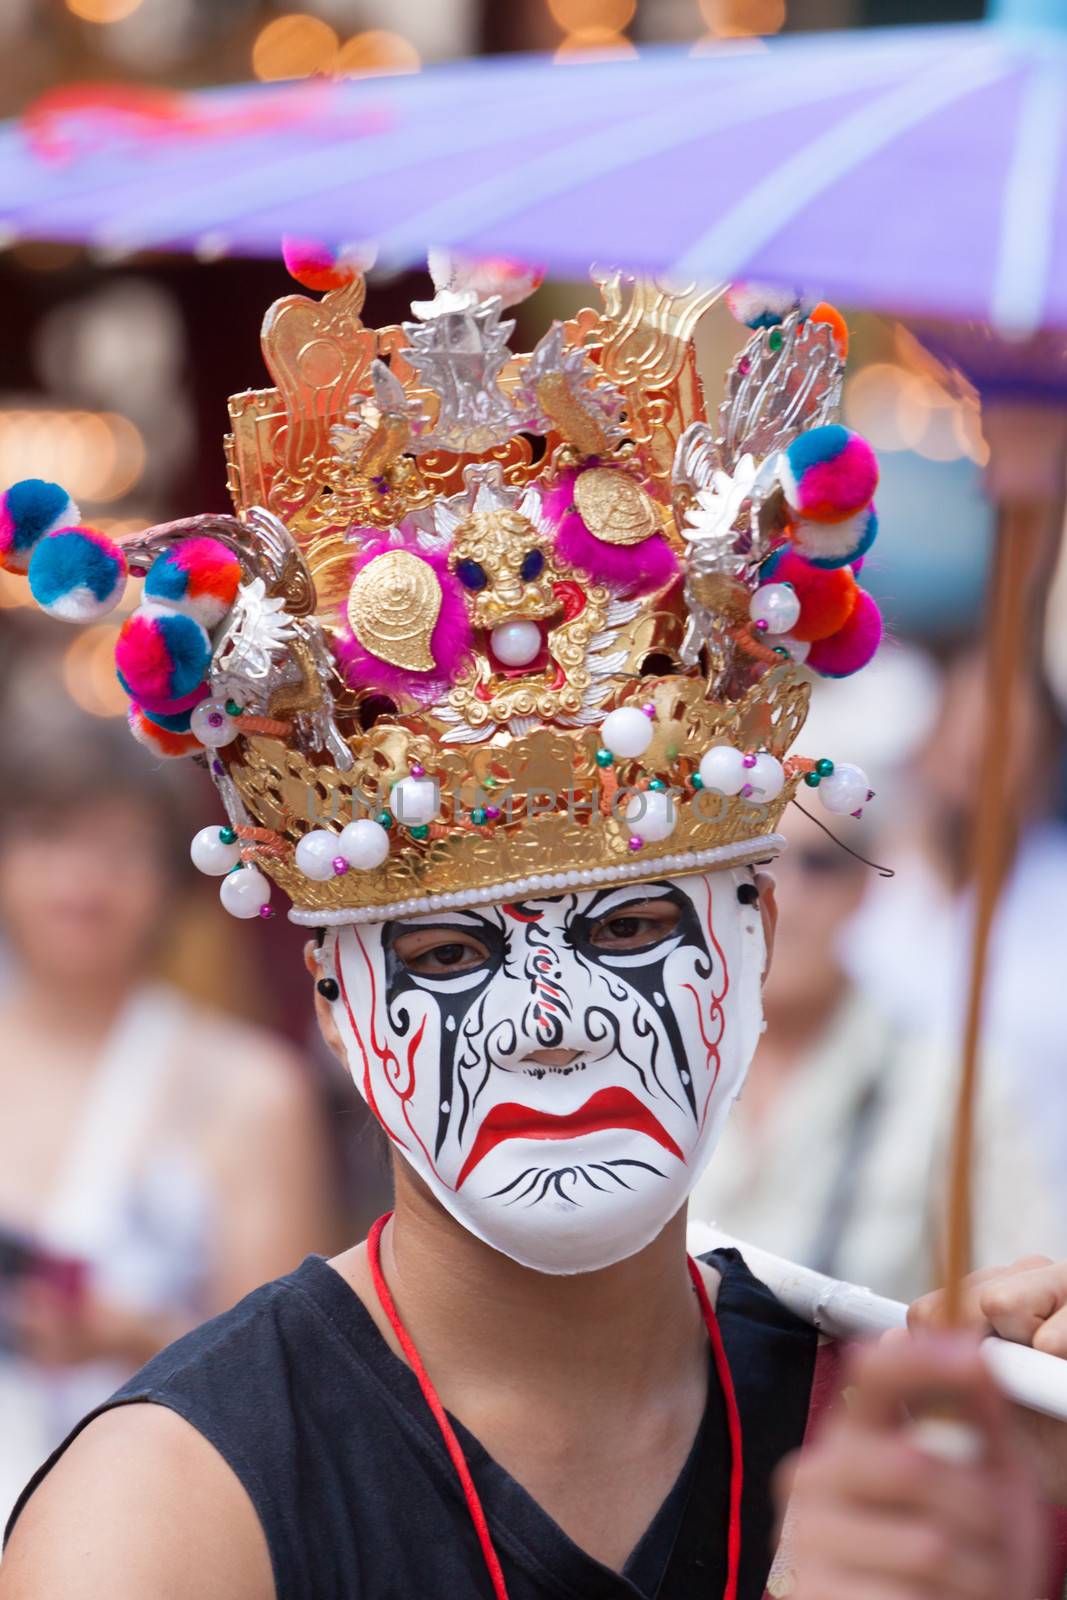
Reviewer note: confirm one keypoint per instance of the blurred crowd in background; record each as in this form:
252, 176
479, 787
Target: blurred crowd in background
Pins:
172, 1130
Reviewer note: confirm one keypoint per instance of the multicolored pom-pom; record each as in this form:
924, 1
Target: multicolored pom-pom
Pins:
162, 659
836, 544
853, 645
764, 305
77, 574
160, 740
829, 473
28, 511
320, 266
198, 577
826, 596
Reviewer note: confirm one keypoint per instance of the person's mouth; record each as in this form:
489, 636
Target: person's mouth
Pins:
608, 1108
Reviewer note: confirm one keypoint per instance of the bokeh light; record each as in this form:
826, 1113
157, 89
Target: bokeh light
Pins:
89, 671
377, 51
103, 11
96, 456
598, 43
294, 46
900, 410
740, 19
592, 16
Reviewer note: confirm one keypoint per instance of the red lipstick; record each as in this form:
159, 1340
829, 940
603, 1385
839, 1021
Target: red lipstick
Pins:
608, 1108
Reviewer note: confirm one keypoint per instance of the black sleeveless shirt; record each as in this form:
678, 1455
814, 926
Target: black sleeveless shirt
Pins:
330, 1436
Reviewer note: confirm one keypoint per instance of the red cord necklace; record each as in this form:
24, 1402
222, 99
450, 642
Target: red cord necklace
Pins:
459, 1460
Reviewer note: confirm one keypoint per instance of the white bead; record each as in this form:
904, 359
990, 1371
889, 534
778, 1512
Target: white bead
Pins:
777, 605
210, 855
651, 815
364, 844
722, 770
516, 643
559, 880
414, 801
799, 649
845, 790
212, 724
315, 854
244, 893
626, 733
766, 779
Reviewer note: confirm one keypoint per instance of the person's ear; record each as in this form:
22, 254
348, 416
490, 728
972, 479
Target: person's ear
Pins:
768, 910
323, 1003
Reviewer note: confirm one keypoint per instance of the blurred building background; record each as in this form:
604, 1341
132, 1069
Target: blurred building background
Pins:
113, 381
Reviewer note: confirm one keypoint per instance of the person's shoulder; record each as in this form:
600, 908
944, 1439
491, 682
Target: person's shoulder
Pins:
140, 1505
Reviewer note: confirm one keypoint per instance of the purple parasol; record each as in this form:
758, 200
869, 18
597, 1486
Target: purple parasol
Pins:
915, 169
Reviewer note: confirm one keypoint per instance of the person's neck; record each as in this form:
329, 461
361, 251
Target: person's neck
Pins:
84, 1010
488, 1329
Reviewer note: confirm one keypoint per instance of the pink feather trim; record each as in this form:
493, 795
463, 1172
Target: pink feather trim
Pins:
628, 569
450, 641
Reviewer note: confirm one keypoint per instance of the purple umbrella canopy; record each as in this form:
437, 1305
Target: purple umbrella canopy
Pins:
917, 170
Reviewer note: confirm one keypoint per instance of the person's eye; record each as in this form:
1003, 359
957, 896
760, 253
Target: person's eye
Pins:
635, 927
440, 953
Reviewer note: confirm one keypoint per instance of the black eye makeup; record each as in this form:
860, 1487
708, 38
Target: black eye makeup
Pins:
441, 950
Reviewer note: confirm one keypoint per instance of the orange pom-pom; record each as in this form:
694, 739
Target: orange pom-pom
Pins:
827, 595
825, 312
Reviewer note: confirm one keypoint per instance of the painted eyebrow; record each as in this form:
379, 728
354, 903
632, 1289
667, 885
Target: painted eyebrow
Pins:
626, 895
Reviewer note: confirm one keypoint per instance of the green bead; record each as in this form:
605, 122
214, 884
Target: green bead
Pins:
478, 816
780, 650
235, 868
824, 767
228, 835
604, 758
385, 819
774, 339
813, 779
697, 781
657, 784
422, 831
490, 783
233, 709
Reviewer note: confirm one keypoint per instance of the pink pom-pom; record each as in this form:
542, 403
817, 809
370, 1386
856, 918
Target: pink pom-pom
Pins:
853, 645
450, 641
198, 577
829, 474
161, 741
627, 569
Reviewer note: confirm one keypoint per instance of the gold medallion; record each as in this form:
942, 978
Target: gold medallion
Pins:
613, 507
393, 606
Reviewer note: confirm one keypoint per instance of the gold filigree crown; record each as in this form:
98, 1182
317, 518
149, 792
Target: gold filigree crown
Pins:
502, 623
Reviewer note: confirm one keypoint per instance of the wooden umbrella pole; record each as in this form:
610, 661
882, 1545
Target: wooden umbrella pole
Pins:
1018, 537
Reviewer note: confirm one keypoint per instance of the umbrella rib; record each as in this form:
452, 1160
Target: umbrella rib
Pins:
725, 248
1024, 256
462, 214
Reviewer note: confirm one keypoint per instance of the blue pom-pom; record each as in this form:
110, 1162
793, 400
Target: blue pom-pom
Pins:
28, 511
77, 574
172, 722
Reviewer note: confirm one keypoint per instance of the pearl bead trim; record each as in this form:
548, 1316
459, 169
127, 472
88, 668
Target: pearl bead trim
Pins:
724, 855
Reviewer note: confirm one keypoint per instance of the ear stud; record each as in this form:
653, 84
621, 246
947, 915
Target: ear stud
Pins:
747, 893
329, 988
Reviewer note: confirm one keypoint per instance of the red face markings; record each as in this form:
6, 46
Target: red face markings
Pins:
519, 913
607, 1109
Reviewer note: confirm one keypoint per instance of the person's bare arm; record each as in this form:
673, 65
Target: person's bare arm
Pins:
141, 1507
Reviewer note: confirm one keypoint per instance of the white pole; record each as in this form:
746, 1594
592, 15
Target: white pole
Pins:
845, 1311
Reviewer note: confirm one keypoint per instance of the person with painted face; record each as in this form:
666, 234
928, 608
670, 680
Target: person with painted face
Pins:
511, 725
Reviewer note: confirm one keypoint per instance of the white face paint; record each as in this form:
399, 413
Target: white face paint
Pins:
646, 999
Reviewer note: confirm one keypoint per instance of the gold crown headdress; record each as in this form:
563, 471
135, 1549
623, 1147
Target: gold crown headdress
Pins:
488, 625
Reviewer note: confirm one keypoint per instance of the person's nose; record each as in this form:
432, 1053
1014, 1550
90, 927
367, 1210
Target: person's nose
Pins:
553, 1058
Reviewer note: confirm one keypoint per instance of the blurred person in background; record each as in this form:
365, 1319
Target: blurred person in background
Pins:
836, 1154
157, 1160
909, 946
